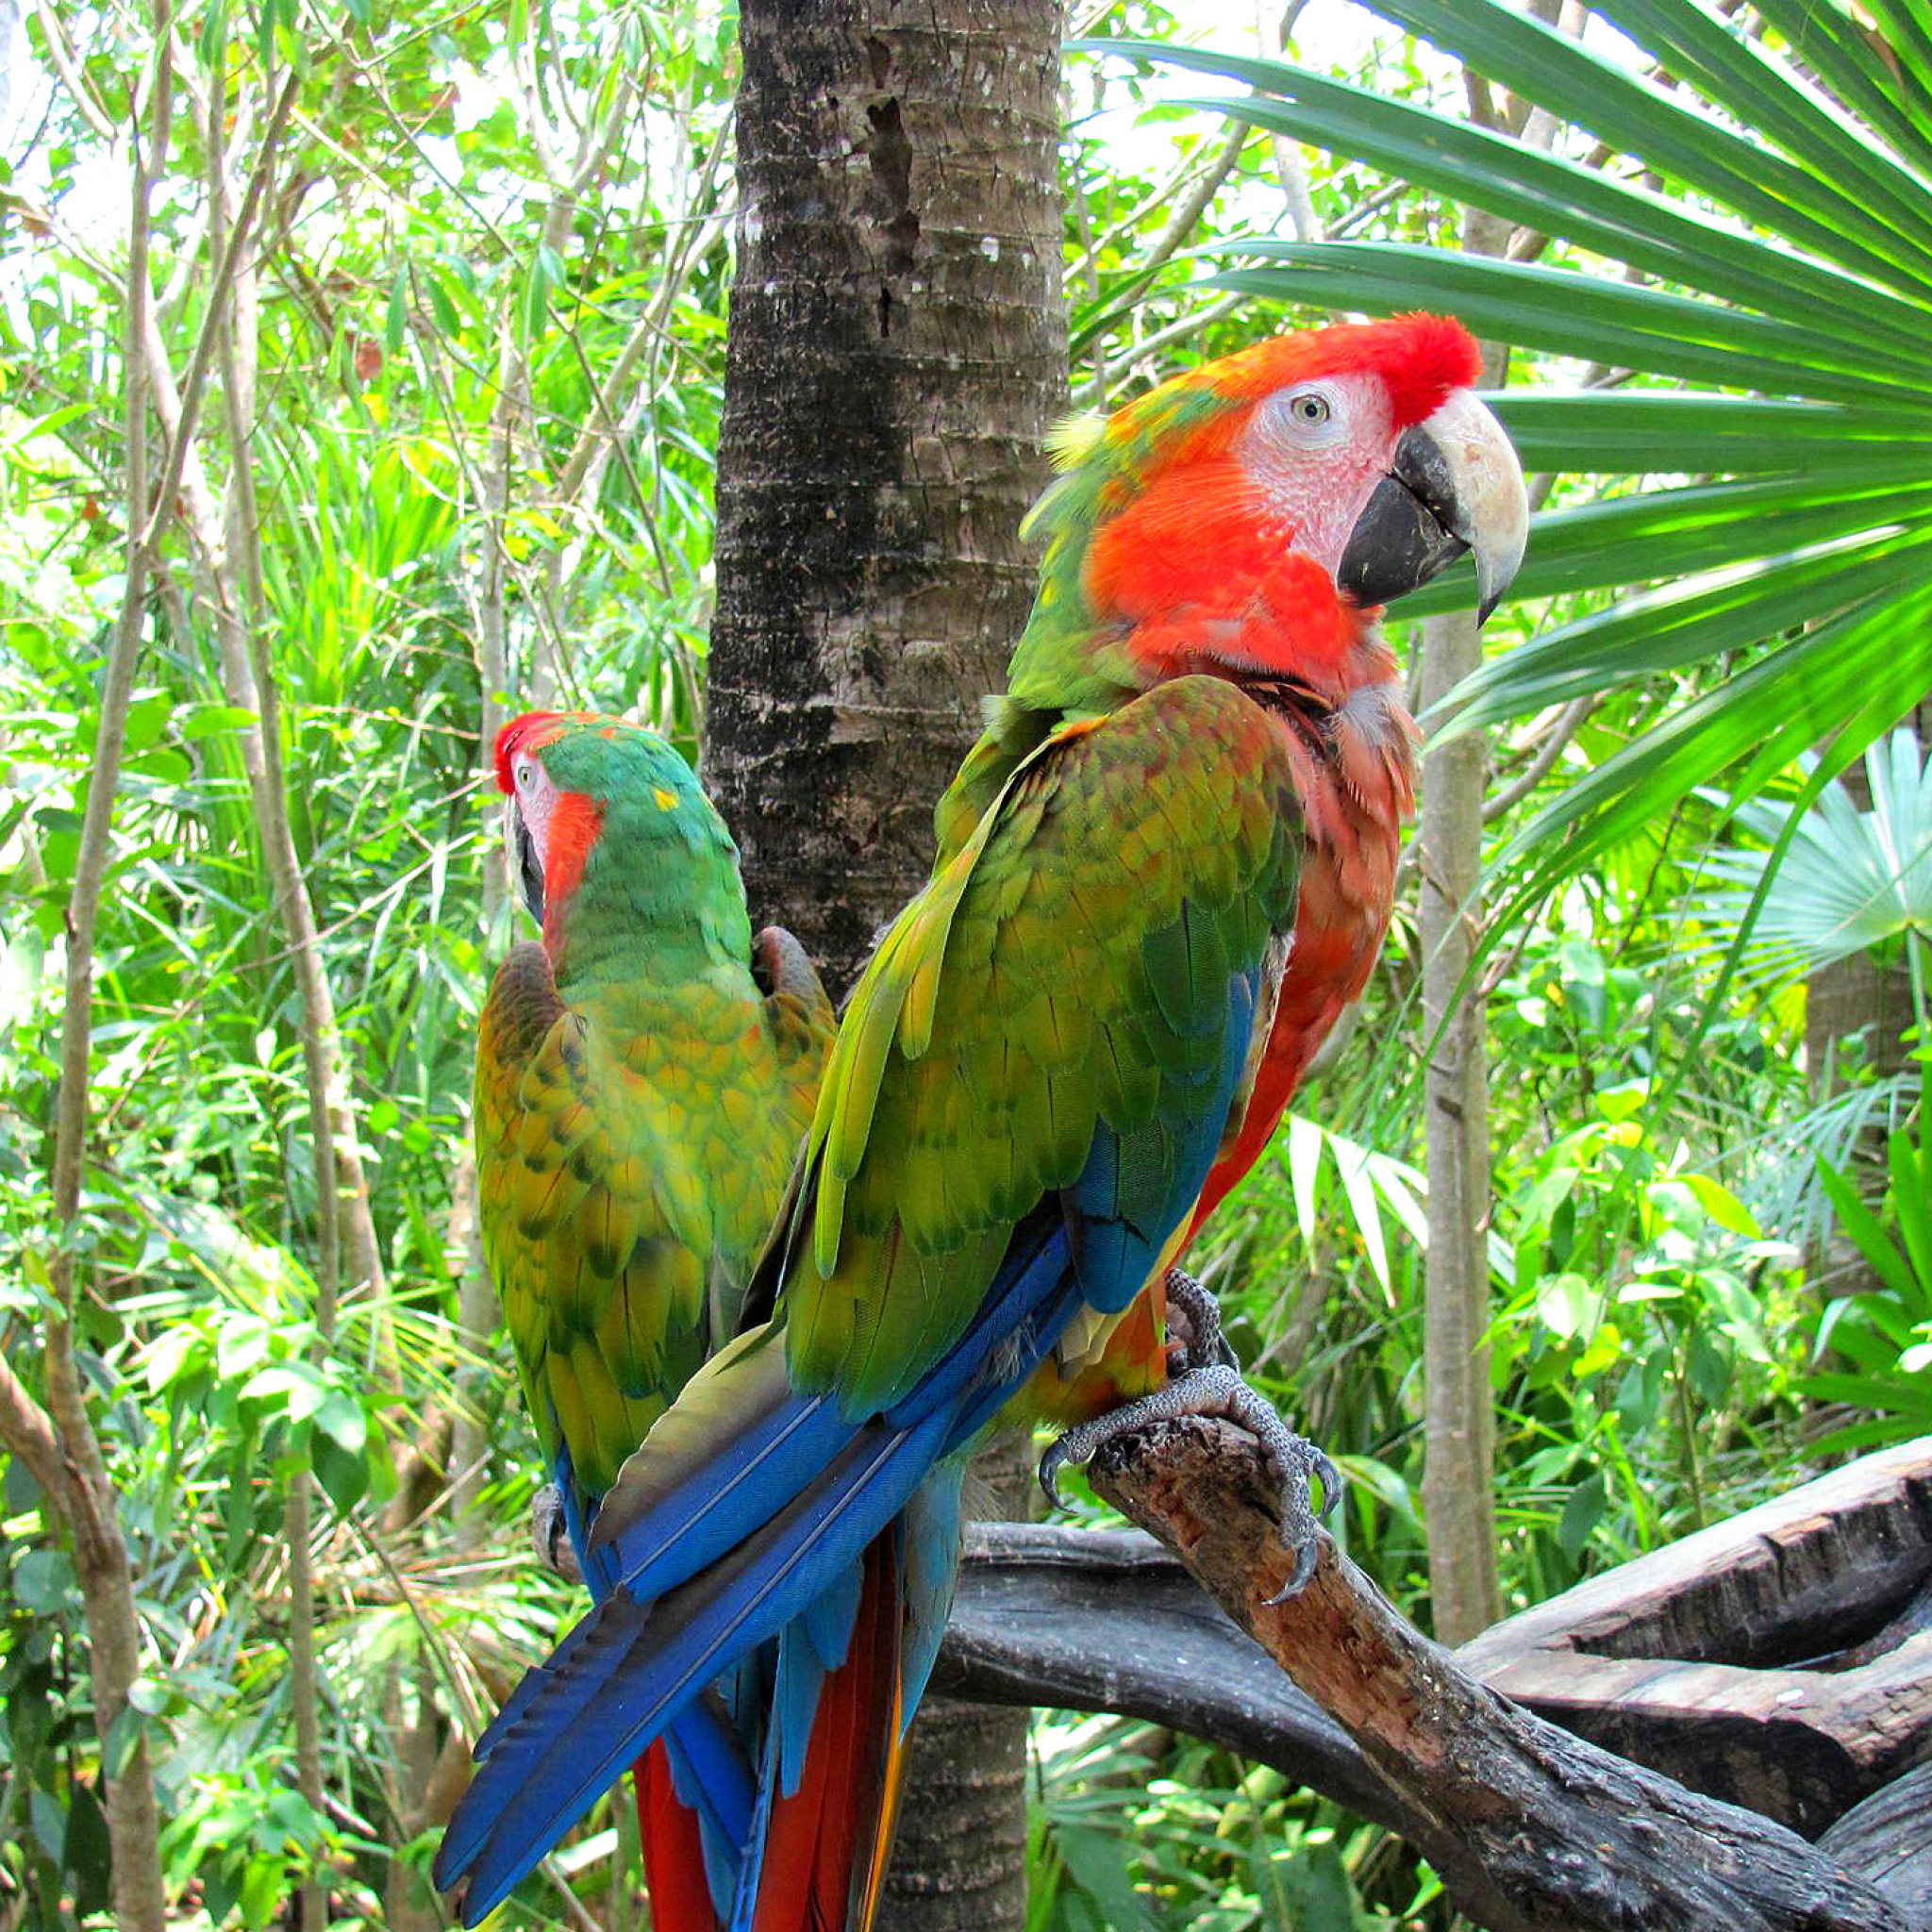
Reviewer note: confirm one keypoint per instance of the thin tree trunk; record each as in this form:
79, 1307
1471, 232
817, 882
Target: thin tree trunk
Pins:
897, 351
1459, 1447
1465, 1593
57, 1445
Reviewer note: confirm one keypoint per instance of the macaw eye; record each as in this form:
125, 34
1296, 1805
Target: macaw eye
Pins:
1309, 408
525, 772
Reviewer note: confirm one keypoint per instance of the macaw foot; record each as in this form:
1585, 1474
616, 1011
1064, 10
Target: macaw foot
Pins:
550, 1533
1194, 1339
1219, 1390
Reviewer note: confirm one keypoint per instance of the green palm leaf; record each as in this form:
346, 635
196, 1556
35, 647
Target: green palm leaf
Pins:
1849, 880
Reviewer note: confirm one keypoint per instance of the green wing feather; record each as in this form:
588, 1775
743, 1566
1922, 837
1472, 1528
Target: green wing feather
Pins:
632, 1146
1068, 965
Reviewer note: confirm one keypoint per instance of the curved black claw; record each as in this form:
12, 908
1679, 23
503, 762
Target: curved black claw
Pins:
550, 1533
1219, 1390
1053, 1455
1204, 1344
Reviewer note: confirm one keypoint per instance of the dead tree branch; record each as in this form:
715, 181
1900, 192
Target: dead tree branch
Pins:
1531, 1830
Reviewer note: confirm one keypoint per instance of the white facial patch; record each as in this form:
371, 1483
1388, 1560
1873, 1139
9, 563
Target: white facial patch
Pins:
535, 801
1315, 450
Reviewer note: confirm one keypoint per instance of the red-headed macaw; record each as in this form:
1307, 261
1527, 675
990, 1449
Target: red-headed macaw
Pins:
643, 1079
1053, 1044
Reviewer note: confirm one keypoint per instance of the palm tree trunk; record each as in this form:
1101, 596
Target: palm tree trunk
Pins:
897, 351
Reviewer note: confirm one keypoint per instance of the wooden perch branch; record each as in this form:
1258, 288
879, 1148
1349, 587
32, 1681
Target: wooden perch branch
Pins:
1530, 1829
1107, 1619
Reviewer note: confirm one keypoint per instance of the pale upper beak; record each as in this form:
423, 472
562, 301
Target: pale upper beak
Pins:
1454, 485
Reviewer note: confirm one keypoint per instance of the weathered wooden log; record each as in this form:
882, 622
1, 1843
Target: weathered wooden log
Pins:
1530, 1828
1774, 1659
1110, 1621
1888, 1842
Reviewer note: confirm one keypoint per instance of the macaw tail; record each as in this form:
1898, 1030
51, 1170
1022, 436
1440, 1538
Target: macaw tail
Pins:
629, 1667
826, 1815
820, 1835
746, 1504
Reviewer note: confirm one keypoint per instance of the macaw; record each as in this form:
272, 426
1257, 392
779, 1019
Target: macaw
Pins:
643, 1078
1034, 1081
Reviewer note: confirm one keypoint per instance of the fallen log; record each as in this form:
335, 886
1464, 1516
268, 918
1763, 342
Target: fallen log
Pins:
1656, 1659
1888, 1842
1778, 1659
1531, 1830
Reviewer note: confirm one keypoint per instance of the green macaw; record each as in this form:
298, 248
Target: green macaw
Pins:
644, 1076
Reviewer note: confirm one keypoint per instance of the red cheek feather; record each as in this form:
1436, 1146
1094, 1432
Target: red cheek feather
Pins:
574, 828
1227, 587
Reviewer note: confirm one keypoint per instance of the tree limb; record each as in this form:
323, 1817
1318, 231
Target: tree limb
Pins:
1530, 1829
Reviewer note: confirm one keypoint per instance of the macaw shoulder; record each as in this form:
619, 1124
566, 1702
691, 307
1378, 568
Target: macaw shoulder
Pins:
1194, 779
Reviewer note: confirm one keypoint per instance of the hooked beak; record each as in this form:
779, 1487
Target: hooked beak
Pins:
529, 868
1455, 485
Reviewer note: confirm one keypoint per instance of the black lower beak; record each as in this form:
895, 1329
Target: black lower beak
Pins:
1406, 533
529, 873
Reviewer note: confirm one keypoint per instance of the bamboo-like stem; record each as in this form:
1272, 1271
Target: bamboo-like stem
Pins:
87, 1497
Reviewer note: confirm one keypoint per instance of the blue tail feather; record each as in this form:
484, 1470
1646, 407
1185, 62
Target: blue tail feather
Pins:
597, 1708
755, 1473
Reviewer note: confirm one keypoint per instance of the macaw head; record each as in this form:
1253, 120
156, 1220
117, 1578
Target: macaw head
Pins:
568, 776
1255, 513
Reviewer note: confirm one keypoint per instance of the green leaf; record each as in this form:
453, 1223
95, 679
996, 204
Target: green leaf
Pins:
1567, 313
300, 1388
1543, 192
1709, 1368
1566, 1305
1766, 96
1679, 533
1861, 1227
1665, 629
1582, 1512
397, 324
1608, 430
45, 1582
85, 1852
1636, 116
1914, 1215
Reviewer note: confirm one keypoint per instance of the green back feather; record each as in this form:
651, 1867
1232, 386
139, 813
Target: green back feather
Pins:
1069, 965
637, 1107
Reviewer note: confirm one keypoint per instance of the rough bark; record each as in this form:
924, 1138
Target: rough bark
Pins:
1777, 1660
1888, 1840
897, 350
1531, 1830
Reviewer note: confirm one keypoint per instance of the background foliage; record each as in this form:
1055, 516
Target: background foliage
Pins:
492, 294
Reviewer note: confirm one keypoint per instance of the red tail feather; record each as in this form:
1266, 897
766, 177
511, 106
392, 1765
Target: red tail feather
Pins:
826, 1846
674, 1853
